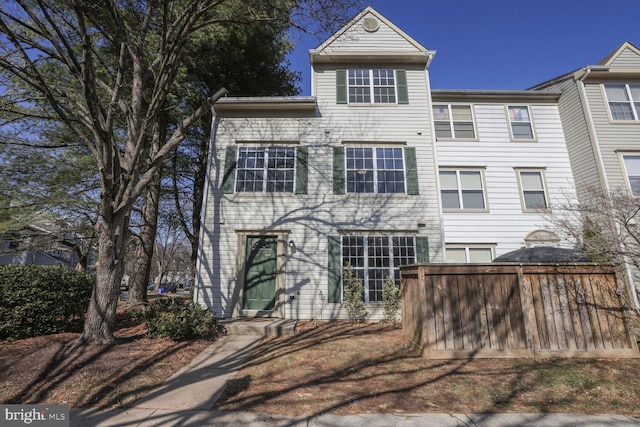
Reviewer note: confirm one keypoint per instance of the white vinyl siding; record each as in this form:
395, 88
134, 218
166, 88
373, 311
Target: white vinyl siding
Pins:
308, 219
504, 222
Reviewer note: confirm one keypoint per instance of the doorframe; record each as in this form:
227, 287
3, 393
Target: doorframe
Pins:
281, 262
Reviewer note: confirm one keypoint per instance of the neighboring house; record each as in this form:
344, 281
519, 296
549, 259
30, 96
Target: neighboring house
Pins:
301, 186
600, 111
503, 164
32, 246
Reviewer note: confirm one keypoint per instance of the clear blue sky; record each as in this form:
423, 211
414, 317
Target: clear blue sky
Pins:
492, 44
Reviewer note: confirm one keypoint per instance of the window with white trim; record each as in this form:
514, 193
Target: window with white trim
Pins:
372, 86
462, 189
532, 189
266, 169
623, 100
461, 254
375, 170
520, 120
373, 258
453, 121
632, 169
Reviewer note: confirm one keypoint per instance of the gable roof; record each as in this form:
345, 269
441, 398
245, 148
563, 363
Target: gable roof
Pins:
370, 37
624, 49
622, 63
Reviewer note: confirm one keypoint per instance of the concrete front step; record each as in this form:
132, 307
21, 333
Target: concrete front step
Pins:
261, 327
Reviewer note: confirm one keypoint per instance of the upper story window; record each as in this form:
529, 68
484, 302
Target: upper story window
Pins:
624, 101
375, 170
371, 86
266, 169
462, 189
453, 121
520, 120
632, 168
532, 190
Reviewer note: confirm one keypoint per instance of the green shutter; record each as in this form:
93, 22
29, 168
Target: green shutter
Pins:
341, 86
302, 169
229, 178
338, 170
334, 266
411, 167
422, 249
403, 91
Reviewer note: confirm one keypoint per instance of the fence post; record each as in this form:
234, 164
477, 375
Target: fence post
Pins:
528, 313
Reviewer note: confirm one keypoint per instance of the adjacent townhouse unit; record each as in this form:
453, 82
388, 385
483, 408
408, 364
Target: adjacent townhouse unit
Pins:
503, 167
600, 112
372, 171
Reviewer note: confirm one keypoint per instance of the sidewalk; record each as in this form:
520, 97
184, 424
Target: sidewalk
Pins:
187, 397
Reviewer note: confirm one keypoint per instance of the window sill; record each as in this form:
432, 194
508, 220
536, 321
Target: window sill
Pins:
466, 211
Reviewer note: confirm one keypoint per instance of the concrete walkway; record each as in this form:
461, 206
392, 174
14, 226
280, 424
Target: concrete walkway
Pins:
186, 399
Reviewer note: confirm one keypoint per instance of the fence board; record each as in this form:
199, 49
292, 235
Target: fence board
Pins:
550, 325
538, 309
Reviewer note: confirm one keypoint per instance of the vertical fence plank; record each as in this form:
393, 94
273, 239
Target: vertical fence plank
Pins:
557, 311
538, 306
609, 311
567, 324
594, 321
456, 311
571, 286
429, 328
548, 312
583, 312
529, 313
441, 333
475, 303
600, 304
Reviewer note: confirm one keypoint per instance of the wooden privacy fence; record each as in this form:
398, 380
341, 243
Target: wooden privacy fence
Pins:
509, 310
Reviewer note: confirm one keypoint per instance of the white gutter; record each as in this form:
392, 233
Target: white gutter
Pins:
603, 177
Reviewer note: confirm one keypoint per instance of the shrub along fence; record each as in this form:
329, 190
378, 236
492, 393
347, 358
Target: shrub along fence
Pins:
516, 310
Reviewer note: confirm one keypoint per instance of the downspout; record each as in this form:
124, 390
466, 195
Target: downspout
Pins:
435, 160
603, 178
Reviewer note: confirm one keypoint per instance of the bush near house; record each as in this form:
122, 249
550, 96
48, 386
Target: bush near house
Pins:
179, 320
41, 300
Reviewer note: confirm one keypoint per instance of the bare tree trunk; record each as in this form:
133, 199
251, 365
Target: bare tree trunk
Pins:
146, 244
100, 317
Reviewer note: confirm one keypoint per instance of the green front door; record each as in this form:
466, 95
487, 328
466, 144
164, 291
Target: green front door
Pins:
260, 273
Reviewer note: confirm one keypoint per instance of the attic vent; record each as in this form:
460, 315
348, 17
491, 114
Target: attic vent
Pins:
370, 24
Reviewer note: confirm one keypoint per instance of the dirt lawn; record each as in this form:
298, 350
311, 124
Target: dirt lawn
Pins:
331, 367
335, 367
